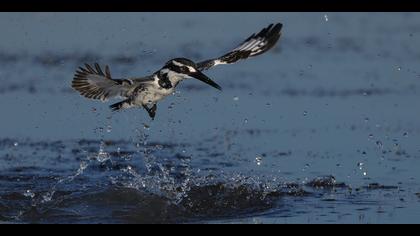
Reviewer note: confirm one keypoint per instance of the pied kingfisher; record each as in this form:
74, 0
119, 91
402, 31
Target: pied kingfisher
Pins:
147, 91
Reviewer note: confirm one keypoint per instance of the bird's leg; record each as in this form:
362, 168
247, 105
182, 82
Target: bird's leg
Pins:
151, 111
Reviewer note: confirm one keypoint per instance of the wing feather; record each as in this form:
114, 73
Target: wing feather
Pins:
95, 84
254, 45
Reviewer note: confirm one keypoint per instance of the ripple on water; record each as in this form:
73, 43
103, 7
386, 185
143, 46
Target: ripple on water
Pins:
165, 187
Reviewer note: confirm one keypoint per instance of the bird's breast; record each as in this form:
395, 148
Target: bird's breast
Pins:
154, 93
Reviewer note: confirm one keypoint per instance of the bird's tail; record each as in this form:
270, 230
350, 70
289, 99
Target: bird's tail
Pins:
121, 105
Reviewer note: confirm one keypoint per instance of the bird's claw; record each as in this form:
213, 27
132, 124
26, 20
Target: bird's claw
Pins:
151, 111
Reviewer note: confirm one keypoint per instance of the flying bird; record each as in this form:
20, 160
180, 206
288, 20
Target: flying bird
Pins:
95, 83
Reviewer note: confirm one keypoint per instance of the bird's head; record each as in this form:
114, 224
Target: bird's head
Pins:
186, 68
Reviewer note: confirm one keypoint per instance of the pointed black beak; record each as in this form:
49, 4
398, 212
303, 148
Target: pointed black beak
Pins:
202, 77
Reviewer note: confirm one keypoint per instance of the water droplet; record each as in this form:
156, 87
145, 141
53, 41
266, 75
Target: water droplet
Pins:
171, 106
258, 160
29, 193
399, 68
370, 136
367, 119
48, 197
405, 134
396, 146
305, 167
379, 144
16, 144
365, 173
98, 130
236, 98
245, 121
109, 129
268, 104
305, 113
326, 17
146, 126
301, 72
360, 164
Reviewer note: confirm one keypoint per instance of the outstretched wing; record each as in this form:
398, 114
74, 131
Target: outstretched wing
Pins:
255, 45
95, 84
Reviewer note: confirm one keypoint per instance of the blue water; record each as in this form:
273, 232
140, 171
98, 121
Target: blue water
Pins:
321, 129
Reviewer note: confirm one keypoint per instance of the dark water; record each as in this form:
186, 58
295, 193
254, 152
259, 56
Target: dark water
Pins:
322, 129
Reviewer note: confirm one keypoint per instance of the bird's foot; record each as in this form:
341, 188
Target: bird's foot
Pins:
151, 111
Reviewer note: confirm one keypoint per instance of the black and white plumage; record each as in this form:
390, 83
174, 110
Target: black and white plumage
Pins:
94, 83
255, 45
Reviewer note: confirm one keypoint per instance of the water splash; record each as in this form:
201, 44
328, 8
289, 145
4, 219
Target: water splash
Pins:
48, 197
102, 155
379, 144
29, 193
